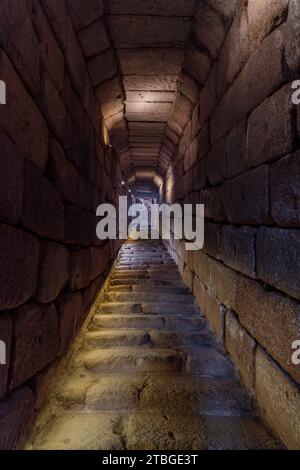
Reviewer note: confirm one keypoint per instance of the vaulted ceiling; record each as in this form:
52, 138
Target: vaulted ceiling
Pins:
146, 63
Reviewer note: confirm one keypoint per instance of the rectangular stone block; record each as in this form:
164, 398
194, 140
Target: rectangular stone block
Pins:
21, 119
6, 327
238, 248
11, 181
158, 7
75, 61
216, 163
270, 128
100, 259
200, 266
263, 16
212, 239
210, 29
285, 191
19, 257
223, 283
15, 414
278, 259
246, 197
241, 348
81, 17
200, 175
278, 399
53, 271
94, 38
35, 341
272, 319
43, 210
70, 310
208, 96
58, 16
102, 67
199, 292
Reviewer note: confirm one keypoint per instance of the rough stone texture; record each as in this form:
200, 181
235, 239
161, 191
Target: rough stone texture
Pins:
81, 17
271, 318
215, 315
278, 259
198, 64
209, 29
270, 129
285, 192
102, 67
278, 399
293, 36
11, 181
80, 226
182, 370
15, 413
216, 163
146, 7
238, 249
43, 211
241, 348
236, 151
264, 17
223, 283
94, 39
6, 327
21, 116
53, 271
35, 341
69, 307
19, 255
79, 269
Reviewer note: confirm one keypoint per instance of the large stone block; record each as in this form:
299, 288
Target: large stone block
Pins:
292, 39
238, 248
197, 64
200, 175
70, 311
15, 414
53, 271
19, 255
226, 9
75, 61
94, 38
278, 398
200, 266
102, 67
216, 163
149, 31
264, 16
212, 239
241, 348
6, 328
210, 29
271, 318
81, 17
43, 210
11, 181
262, 75
58, 16
100, 258
188, 86
80, 226
35, 341
278, 259
18, 38
56, 114
285, 191
270, 128
246, 197
236, 151
199, 292
21, 119
223, 283
80, 261
208, 96
51, 55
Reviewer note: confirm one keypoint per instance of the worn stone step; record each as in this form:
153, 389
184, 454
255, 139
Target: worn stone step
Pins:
149, 296
151, 275
145, 288
165, 393
111, 338
178, 323
132, 360
146, 308
145, 281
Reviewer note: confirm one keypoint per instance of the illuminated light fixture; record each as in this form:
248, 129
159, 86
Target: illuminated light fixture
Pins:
123, 183
129, 190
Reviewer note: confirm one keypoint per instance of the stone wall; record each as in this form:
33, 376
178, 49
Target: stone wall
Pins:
239, 155
55, 169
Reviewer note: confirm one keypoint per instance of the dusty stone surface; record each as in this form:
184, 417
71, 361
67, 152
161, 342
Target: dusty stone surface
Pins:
152, 380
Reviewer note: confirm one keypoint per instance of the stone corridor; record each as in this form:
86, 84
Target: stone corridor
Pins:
182, 102
149, 374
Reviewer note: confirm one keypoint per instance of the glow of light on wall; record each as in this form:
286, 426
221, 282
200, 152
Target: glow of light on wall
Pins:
105, 133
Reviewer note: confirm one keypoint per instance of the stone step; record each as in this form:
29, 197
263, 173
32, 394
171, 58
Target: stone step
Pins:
178, 323
131, 360
165, 393
148, 308
110, 338
145, 288
146, 281
149, 296
151, 275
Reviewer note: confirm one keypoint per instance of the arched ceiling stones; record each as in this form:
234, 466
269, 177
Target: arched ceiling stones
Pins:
147, 60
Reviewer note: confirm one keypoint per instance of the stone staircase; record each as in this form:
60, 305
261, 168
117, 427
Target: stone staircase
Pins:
149, 374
